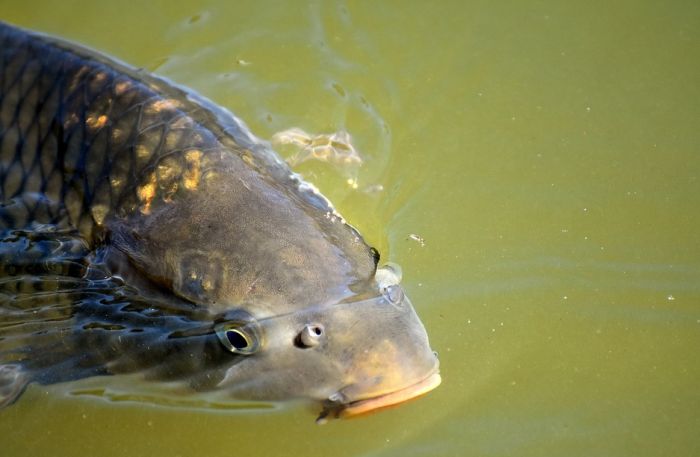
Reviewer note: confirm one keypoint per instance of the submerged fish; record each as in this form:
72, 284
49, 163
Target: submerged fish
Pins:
232, 273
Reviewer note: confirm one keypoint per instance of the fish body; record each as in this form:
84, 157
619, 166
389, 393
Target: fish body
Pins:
231, 273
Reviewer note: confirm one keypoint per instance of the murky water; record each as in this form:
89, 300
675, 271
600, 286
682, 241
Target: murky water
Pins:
547, 154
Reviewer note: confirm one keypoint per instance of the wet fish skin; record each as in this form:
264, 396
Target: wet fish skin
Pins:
175, 196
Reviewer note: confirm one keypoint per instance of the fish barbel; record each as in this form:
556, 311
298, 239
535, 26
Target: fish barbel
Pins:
246, 278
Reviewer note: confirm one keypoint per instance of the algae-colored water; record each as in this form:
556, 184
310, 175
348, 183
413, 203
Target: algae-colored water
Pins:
547, 152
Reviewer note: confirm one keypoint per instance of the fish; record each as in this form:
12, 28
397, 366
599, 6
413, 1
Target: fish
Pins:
145, 230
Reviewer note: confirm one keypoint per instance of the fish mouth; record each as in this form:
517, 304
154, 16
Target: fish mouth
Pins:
367, 405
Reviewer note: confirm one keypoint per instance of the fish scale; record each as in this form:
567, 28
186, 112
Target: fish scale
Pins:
72, 132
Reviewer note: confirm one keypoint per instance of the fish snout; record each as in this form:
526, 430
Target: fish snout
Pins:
397, 368
341, 404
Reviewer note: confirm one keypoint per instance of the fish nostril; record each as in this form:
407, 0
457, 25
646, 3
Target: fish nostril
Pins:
310, 336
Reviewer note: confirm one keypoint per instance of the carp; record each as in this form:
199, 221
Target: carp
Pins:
146, 230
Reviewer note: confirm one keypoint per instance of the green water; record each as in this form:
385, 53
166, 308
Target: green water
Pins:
548, 154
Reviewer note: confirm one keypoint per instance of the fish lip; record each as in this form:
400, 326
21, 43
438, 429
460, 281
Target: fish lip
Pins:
415, 390
366, 405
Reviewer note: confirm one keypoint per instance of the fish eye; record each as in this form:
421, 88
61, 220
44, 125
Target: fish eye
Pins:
309, 336
236, 340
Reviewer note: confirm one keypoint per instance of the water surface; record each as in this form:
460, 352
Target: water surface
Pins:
547, 154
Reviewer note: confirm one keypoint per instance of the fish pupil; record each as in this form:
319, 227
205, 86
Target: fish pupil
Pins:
236, 339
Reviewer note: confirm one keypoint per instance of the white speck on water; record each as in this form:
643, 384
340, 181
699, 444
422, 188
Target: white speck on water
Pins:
588, 108
565, 297
564, 230
670, 298
585, 210
373, 189
417, 238
469, 321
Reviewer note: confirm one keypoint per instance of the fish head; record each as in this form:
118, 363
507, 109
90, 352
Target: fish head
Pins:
325, 323
354, 356
241, 239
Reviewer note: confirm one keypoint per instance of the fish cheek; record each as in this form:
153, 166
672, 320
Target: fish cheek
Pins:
323, 357
290, 371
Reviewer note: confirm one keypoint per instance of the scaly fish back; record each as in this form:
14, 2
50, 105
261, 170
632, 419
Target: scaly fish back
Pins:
83, 137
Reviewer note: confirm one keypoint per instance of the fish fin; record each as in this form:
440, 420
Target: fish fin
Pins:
128, 241
13, 381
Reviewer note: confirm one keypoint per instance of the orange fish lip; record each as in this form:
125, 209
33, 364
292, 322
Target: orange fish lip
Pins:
393, 398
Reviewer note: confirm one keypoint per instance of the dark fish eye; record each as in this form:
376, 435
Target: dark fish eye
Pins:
237, 340
309, 336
